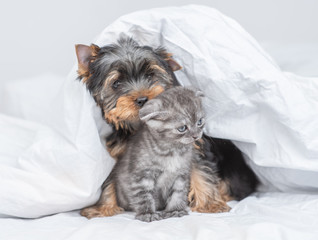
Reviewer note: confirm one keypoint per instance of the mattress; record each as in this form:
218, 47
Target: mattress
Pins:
53, 159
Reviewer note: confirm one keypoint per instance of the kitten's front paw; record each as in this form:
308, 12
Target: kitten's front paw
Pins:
149, 217
177, 213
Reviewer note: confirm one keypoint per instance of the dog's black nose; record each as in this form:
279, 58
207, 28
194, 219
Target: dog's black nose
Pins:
141, 101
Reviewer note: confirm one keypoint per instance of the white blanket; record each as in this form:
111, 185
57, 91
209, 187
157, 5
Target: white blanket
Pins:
52, 156
261, 217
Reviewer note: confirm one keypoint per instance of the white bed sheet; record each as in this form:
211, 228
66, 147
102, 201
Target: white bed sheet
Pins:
269, 215
259, 217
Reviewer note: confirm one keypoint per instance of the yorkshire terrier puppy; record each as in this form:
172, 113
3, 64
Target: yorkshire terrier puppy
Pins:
122, 77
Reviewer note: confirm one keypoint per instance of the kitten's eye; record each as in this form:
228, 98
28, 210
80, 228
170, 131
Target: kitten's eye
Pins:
200, 122
116, 84
182, 129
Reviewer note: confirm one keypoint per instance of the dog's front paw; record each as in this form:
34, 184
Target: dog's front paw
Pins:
221, 208
212, 208
149, 217
91, 212
100, 211
177, 213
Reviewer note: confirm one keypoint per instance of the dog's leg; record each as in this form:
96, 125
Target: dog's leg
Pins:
205, 195
208, 193
106, 206
116, 144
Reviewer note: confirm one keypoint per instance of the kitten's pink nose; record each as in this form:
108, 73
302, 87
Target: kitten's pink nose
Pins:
196, 137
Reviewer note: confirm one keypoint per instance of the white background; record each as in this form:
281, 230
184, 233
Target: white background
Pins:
38, 36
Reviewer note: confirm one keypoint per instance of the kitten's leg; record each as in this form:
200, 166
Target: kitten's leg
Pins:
177, 202
106, 206
142, 197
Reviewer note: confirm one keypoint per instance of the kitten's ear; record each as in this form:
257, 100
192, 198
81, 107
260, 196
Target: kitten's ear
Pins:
151, 110
199, 93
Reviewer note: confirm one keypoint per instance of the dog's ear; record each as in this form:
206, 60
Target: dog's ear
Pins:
173, 64
168, 58
151, 110
85, 54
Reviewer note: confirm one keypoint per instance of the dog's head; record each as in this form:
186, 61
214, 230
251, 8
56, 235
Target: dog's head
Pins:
122, 77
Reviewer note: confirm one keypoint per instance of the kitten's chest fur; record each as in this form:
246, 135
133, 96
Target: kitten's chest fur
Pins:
169, 163
174, 162
172, 166
169, 169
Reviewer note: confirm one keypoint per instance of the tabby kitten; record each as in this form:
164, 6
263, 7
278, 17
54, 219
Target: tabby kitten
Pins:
152, 178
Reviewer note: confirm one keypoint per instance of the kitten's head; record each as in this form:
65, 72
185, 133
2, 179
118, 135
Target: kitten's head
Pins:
176, 115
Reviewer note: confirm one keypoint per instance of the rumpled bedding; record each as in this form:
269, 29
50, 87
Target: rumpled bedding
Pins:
53, 159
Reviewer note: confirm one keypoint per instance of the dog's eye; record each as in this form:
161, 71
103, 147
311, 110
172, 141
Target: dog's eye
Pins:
116, 84
149, 76
182, 128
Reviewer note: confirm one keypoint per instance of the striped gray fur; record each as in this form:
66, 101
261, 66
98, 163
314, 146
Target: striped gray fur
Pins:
152, 178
